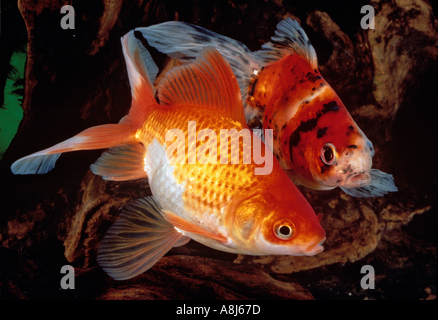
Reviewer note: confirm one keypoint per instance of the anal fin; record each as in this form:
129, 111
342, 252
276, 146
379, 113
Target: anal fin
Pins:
121, 163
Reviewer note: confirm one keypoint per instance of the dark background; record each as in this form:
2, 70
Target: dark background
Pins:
76, 79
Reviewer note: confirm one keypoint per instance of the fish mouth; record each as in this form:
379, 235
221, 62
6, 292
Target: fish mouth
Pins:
315, 248
357, 180
360, 177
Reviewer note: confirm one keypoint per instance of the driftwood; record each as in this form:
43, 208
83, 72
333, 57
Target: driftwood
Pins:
76, 78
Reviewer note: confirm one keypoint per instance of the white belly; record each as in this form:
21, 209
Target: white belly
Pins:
168, 193
165, 189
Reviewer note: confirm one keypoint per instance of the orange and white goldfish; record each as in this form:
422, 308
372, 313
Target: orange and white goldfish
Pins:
227, 206
316, 140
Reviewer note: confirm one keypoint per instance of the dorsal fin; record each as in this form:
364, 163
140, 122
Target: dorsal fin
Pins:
289, 38
184, 41
142, 72
207, 82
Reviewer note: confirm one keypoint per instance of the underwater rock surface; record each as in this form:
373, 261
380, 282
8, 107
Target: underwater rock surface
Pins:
76, 78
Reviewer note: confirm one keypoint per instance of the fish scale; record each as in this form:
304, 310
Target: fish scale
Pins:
197, 197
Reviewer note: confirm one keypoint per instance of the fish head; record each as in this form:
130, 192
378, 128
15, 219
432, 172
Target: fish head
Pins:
334, 152
290, 230
343, 156
272, 224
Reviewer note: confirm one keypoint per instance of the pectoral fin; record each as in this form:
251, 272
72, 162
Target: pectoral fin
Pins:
381, 183
137, 240
319, 216
184, 225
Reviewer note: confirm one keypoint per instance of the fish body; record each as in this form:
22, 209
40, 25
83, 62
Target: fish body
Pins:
305, 121
315, 139
225, 205
200, 192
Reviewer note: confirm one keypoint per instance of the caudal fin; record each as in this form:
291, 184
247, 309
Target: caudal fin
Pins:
141, 71
99, 137
137, 240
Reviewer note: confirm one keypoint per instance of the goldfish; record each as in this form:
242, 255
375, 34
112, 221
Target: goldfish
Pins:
225, 206
316, 141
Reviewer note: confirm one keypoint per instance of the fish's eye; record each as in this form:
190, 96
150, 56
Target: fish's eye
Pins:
284, 229
328, 154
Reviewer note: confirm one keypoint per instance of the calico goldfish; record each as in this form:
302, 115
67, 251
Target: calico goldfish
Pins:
227, 206
316, 141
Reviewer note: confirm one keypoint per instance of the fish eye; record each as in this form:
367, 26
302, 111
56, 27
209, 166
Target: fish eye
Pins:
328, 154
284, 229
